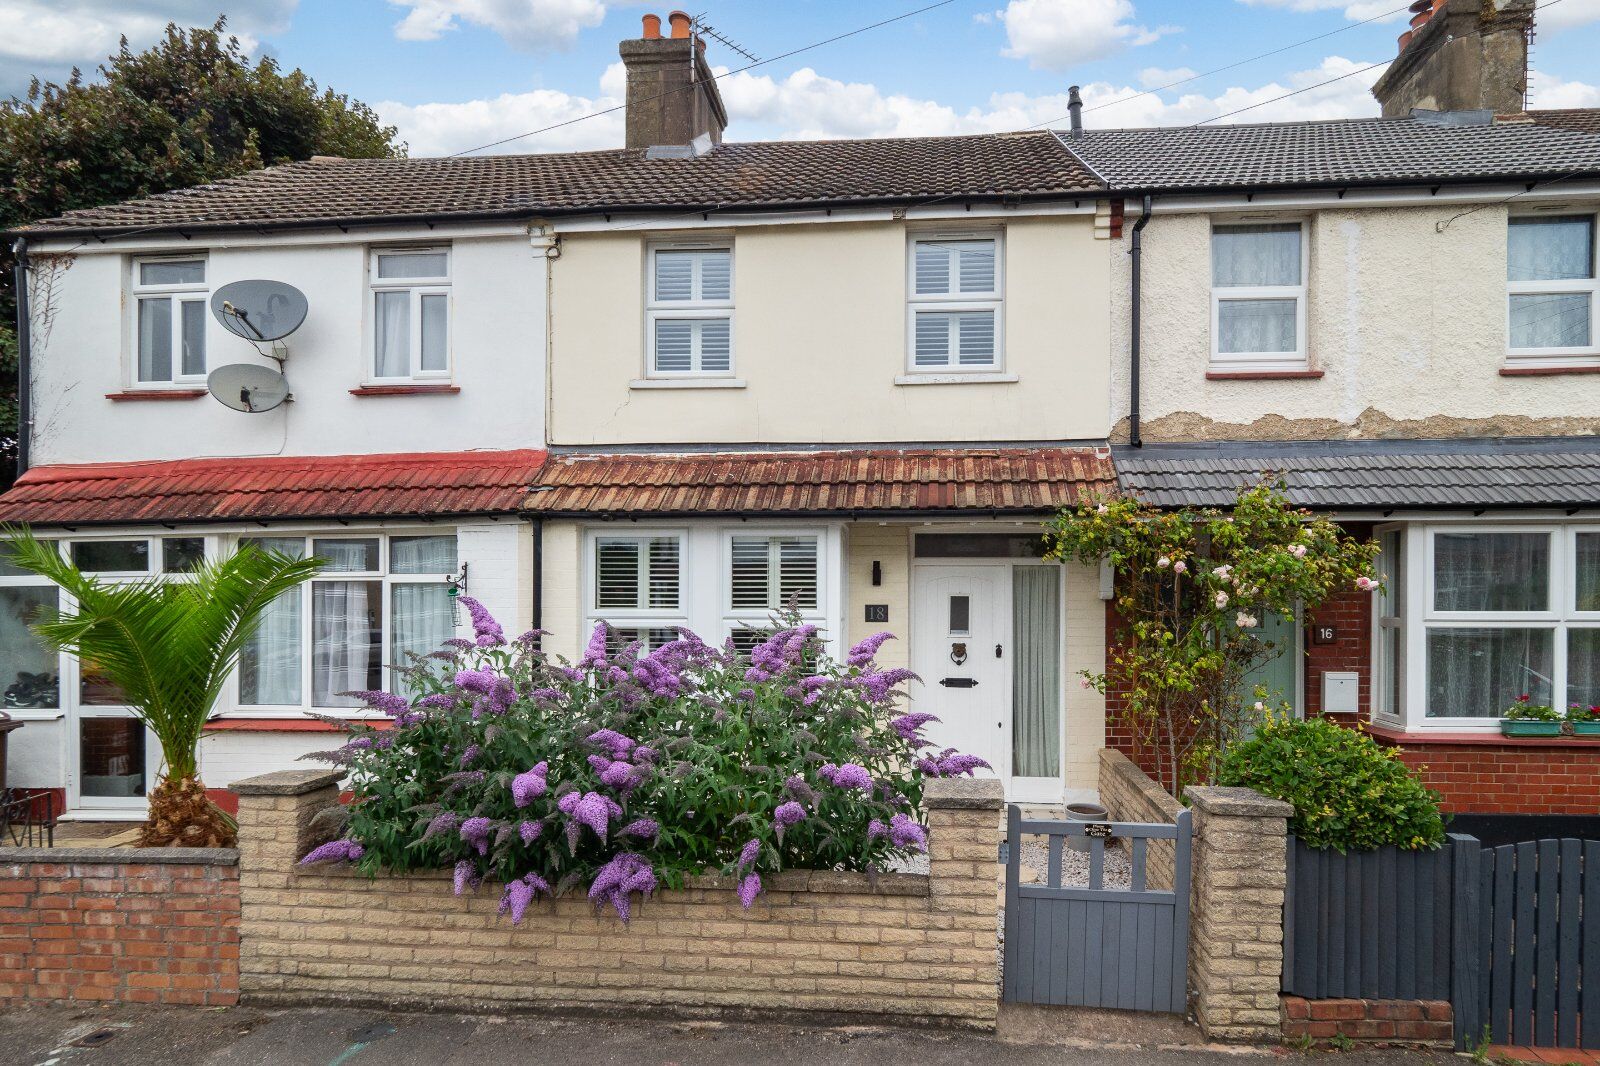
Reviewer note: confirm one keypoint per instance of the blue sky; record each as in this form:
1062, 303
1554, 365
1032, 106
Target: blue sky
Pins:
453, 74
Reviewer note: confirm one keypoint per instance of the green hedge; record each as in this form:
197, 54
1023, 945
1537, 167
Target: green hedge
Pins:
1348, 793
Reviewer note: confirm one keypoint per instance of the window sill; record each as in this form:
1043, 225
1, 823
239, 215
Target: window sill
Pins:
154, 394
686, 383
35, 714
956, 379
284, 725
1512, 371
1419, 738
406, 390
1263, 375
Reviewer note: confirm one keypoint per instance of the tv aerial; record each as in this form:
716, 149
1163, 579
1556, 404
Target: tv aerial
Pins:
263, 313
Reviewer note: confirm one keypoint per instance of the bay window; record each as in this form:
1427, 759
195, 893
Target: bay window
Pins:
169, 321
411, 314
1258, 296
1552, 289
379, 601
955, 304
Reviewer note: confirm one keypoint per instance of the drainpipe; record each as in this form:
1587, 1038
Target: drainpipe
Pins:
24, 357
538, 580
1137, 251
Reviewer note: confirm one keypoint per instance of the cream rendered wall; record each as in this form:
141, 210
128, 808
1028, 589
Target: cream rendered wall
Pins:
889, 545
562, 611
819, 338
1406, 323
497, 338
1084, 648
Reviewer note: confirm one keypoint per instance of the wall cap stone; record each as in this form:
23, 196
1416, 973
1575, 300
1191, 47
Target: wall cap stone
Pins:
124, 856
287, 783
1118, 765
835, 882
964, 793
1236, 802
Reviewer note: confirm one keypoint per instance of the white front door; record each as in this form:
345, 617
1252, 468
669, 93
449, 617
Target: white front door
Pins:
961, 633
113, 757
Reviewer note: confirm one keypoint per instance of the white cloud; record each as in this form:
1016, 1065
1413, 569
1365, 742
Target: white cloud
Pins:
1055, 34
806, 105
1155, 77
48, 38
1567, 14
1550, 91
529, 25
1357, 10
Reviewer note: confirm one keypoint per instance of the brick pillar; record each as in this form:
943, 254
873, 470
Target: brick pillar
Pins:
275, 812
965, 825
1236, 912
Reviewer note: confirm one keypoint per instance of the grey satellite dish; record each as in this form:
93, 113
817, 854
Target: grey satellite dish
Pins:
259, 310
247, 387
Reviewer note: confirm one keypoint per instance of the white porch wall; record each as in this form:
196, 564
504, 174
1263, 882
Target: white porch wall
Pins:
233, 755
36, 754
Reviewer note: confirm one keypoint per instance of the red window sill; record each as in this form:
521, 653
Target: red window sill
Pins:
1545, 371
285, 725
1263, 375
1420, 739
155, 394
405, 390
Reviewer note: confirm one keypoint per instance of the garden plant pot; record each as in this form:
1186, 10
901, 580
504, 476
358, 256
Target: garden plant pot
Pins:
1587, 729
1520, 727
1084, 812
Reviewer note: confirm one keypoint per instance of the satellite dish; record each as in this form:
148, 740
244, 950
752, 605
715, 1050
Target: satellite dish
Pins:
259, 310
247, 387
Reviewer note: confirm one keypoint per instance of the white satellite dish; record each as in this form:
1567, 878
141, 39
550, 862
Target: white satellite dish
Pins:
247, 387
259, 310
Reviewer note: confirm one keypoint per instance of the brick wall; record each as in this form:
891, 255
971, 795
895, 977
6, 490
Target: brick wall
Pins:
1130, 795
913, 948
1430, 1022
88, 924
1494, 776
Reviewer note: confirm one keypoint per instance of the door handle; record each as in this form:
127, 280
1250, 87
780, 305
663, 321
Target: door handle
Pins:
997, 650
959, 682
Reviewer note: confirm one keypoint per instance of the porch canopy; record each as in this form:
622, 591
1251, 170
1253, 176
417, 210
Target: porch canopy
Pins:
1473, 473
970, 481
275, 488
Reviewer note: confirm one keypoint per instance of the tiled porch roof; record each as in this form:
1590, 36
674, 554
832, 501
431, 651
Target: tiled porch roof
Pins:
944, 480
323, 486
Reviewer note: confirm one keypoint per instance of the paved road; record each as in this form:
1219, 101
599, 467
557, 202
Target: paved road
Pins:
245, 1036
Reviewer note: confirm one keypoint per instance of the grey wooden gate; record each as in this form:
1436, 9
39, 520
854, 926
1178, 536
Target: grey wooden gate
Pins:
1093, 946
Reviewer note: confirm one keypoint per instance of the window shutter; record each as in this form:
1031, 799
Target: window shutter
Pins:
674, 345
748, 579
932, 269
715, 345
797, 573
674, 275
977, 266
976, 331
716, 274
616, 573
932, 340
664, 572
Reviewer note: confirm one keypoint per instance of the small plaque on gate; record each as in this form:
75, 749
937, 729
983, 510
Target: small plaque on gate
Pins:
1097, 830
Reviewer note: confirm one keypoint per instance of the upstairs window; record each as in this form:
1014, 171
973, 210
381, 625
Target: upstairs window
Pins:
690, 312
1551, 287
411, 314
1258, 296
954, 306
170, 321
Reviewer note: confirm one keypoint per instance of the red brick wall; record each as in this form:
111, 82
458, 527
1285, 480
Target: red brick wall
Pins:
1385, 1020
87, 926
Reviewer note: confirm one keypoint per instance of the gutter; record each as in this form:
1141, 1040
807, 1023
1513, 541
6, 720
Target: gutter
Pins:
1136, 250
24, 358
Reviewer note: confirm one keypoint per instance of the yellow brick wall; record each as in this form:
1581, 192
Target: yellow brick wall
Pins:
912, 947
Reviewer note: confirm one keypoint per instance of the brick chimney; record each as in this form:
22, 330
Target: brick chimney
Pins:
672, 97
1460, 55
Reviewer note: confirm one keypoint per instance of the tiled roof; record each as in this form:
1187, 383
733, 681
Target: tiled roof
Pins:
1478, 473
979, 480
326, 486
754, 174
1584, 119
1351, 152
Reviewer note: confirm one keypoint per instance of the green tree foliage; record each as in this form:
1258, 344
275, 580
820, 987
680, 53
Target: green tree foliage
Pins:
1348, 793
1192, 588
191, 109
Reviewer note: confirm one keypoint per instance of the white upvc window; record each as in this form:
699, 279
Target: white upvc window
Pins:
1258, 296
689, 312
1486, 614
30, 671
1552, 290
410, 315
380, 601
636, 586
169, 321
768, 573
955, 304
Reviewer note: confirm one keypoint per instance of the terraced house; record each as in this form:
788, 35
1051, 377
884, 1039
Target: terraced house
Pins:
692, 382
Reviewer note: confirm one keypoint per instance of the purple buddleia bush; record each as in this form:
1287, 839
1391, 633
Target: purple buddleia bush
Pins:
632, 768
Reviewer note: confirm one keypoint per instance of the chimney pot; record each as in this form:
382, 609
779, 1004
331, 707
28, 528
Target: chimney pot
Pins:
1075, 108
1405, 39
680, 24
652, 27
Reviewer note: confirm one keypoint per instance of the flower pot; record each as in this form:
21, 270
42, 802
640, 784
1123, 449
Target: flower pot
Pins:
1589, 728
1523, 727
1084, 812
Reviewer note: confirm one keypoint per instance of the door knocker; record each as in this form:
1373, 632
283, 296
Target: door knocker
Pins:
958, 653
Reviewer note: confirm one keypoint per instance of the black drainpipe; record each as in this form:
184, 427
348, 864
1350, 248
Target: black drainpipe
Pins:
1137, 251
24, 357
538, 579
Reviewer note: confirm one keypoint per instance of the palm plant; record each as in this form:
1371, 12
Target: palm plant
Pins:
169, 646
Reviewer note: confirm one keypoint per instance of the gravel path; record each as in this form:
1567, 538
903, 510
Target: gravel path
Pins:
1116, 871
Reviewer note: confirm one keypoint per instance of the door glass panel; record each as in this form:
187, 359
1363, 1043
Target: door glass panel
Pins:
1036, 671
27, 668
346, 640
111, 757
97, 690
980, 546
1477, 673
960, 614
113, 556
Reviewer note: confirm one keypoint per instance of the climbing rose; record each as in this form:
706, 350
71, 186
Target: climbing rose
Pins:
1163, 562
1180, 567
1222, 600
1366, 584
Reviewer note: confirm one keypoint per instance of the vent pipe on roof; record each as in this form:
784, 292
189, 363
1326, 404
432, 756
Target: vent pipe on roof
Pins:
1075, 108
